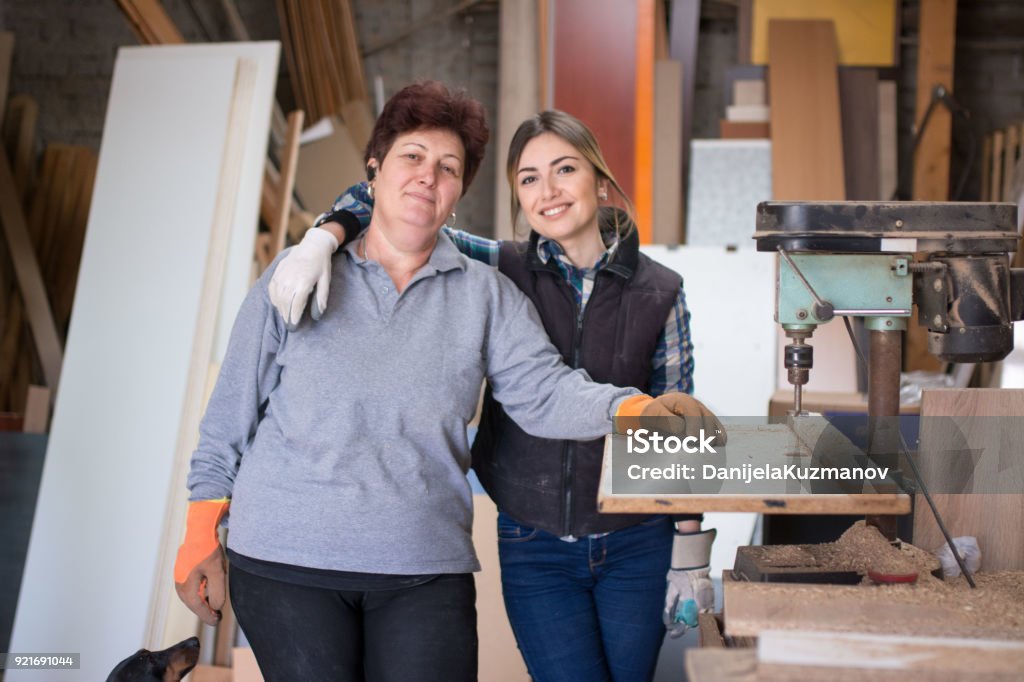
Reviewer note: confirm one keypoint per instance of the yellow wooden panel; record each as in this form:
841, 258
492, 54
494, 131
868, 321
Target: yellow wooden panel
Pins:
864, 28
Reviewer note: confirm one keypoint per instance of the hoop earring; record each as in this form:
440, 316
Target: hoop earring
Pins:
369, 190
602, 195
450, 223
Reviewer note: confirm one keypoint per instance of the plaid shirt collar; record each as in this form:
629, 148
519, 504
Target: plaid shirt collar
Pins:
549, 248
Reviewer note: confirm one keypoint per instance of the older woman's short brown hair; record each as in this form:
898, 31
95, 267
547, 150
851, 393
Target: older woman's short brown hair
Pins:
431, 104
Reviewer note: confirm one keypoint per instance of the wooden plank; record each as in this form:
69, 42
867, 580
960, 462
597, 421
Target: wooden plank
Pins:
1010, 151
748, 113
30, 280
37, 410
289, 160
807, 151
888, 173
166, 136
667, 227
996, 176
709, 630
864, 29
752, 608
872, 654
21, 146
994, 519
721, 665
150, 21
937, 37
743, 130
858, 97
744, 31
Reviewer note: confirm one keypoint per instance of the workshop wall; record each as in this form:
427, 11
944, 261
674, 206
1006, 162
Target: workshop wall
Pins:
65, 50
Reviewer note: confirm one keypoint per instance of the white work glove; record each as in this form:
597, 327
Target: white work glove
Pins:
690, 590
307, 264
967, 547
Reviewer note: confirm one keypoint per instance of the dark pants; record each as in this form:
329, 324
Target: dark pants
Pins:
588, 610
426, 632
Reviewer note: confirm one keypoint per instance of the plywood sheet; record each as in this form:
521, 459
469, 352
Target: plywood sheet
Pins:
995, 519
807, 145
729, 179
866, 29
101, 548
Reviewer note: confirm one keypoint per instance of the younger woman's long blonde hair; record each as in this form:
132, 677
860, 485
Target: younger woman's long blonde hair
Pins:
576, 133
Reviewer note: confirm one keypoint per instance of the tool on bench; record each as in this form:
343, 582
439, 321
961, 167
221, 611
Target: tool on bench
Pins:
856, 259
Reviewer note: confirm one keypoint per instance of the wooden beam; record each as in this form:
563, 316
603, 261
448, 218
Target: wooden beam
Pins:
1010, 150
995, 192
150, 21
37, 410
30, 280
936, 43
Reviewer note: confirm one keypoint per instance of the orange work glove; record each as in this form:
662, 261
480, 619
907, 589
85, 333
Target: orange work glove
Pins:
200, 571
672, 413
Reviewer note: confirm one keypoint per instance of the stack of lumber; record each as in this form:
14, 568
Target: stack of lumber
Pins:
322, 52
44, 216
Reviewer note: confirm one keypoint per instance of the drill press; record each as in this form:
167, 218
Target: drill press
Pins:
856, 259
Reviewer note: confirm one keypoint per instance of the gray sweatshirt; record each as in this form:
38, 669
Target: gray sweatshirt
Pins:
343, 445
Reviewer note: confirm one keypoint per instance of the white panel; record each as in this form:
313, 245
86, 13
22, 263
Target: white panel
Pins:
728, 178
731, 297
100, 517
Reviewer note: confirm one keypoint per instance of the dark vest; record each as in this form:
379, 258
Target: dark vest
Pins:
552, 484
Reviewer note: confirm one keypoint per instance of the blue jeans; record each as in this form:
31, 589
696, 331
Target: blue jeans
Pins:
588, 610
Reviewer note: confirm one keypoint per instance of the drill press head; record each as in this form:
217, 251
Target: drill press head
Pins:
856, 259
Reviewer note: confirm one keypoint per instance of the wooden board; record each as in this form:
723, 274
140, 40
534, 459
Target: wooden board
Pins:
667, 227
326, 168
937, 38
807, 145
888, 174
113, 494
1011, 149
6, 56
721, 665
995, 519
865, 29
858, 97
751, 608
995, 192
899, 656
743, 130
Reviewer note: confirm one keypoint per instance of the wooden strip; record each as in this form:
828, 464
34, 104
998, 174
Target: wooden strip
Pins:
1010, 150
858, 96
158, 23
744, 31
22, 148
30, 281
871, 654
643, 163
995, 519
73, 239
6, 56
937, 38
807, 151
888, 174
289, 161
352, 62
37, 410
667, 226
996, 178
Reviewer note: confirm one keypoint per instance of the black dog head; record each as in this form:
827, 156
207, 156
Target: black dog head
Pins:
169, 665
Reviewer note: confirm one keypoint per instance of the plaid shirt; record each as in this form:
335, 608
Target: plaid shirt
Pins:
672, 362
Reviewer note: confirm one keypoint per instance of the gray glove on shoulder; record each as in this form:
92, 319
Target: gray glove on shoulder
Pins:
307, 265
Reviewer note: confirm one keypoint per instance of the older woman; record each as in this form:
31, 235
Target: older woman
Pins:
341, 446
